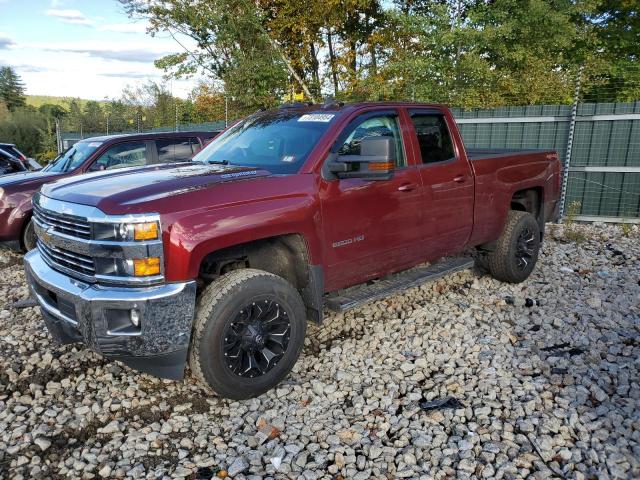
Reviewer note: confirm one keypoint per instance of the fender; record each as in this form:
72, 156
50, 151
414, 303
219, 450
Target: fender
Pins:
193, 237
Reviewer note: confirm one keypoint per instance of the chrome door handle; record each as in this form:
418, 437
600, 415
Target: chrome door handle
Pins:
406, 187
459, 178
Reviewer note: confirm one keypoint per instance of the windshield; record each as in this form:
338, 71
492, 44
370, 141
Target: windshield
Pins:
72, 158
279, 141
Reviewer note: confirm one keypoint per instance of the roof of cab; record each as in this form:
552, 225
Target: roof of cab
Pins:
151, 135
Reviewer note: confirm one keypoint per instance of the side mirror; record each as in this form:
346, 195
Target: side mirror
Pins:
97, 167
376, 160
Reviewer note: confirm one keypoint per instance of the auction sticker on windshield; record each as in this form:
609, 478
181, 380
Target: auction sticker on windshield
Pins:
316, 117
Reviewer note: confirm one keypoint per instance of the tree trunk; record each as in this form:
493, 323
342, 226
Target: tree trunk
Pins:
315, 68
332, 62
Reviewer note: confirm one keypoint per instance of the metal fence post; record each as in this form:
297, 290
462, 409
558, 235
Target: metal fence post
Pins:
58, 136
567, 159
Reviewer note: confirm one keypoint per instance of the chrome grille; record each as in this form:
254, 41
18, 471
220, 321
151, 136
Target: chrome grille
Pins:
66, 260
63, 223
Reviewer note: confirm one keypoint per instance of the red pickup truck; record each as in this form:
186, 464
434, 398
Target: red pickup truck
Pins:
220, 263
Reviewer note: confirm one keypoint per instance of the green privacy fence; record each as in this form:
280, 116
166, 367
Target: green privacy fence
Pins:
602, 167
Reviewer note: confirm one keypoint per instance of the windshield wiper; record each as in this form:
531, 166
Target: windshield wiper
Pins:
218, 162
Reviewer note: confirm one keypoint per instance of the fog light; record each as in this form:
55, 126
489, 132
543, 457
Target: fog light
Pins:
144, 267
135, 317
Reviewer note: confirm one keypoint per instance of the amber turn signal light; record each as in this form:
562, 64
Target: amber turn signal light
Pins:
381, 166
145, 231
144, 267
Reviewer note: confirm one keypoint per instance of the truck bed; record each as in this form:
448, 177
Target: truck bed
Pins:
484, 153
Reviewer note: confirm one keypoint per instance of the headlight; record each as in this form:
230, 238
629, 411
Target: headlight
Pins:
120, 267
126, 232
145, 231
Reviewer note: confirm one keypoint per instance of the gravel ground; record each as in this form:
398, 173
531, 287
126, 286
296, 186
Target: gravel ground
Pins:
536, 388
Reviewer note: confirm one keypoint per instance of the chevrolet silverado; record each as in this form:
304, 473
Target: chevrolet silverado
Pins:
219, 263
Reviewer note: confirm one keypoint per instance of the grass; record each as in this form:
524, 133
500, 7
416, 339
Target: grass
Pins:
571, 231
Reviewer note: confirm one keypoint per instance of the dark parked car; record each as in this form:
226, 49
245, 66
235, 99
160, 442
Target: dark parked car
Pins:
13, 160
89, 155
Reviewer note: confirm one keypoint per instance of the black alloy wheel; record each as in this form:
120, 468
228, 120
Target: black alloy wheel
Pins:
257, 339
525, 248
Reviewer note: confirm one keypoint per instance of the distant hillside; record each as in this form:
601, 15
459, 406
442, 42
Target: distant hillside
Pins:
37, 100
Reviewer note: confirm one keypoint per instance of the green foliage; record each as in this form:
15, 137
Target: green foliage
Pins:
572, 232
52, 110
27, 128
468, 53
626, 229
39, 100
11, 89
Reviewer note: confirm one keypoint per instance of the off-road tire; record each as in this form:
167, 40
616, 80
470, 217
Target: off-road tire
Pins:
217, 306
29, 237
503, 261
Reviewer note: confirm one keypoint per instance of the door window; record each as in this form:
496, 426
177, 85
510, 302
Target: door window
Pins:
130, 154
382, 126
176, 149
433, 137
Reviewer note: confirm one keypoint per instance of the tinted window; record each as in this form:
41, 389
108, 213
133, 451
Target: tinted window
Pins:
73, 157
15, 152
176, 149
433, 137
130, 154
383, 126
276, 141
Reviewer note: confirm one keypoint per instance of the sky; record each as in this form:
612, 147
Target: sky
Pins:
81, 48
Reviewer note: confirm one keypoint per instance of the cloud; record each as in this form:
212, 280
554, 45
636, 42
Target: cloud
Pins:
141, 55
124, 28
5, 42
24, 68
73, 17
134, 75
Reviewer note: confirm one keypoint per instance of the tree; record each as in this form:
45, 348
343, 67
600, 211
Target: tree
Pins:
93, 117
52, 110
233, 46
27, 128
208, 103
11, 89
614, 72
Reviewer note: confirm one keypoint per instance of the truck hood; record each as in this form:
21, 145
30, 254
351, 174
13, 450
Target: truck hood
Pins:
26, 178
130, 186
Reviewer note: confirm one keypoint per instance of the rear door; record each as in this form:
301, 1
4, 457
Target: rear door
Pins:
181, 149
447, 180
371, 226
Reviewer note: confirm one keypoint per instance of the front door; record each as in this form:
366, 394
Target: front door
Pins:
371, 227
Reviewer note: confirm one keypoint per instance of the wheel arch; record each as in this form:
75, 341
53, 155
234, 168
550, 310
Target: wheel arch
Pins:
284, 255
530, 200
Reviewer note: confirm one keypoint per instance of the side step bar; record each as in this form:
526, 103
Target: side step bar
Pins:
356, 296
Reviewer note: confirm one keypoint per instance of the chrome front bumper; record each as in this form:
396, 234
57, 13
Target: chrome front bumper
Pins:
75, 311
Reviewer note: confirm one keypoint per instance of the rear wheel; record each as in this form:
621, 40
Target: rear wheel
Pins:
248, 333
29, 237
516, 251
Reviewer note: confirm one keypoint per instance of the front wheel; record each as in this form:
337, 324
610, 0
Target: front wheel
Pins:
517, 248
248, 333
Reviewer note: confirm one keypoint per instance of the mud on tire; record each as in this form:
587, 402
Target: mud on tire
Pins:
248, 333
516, 251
